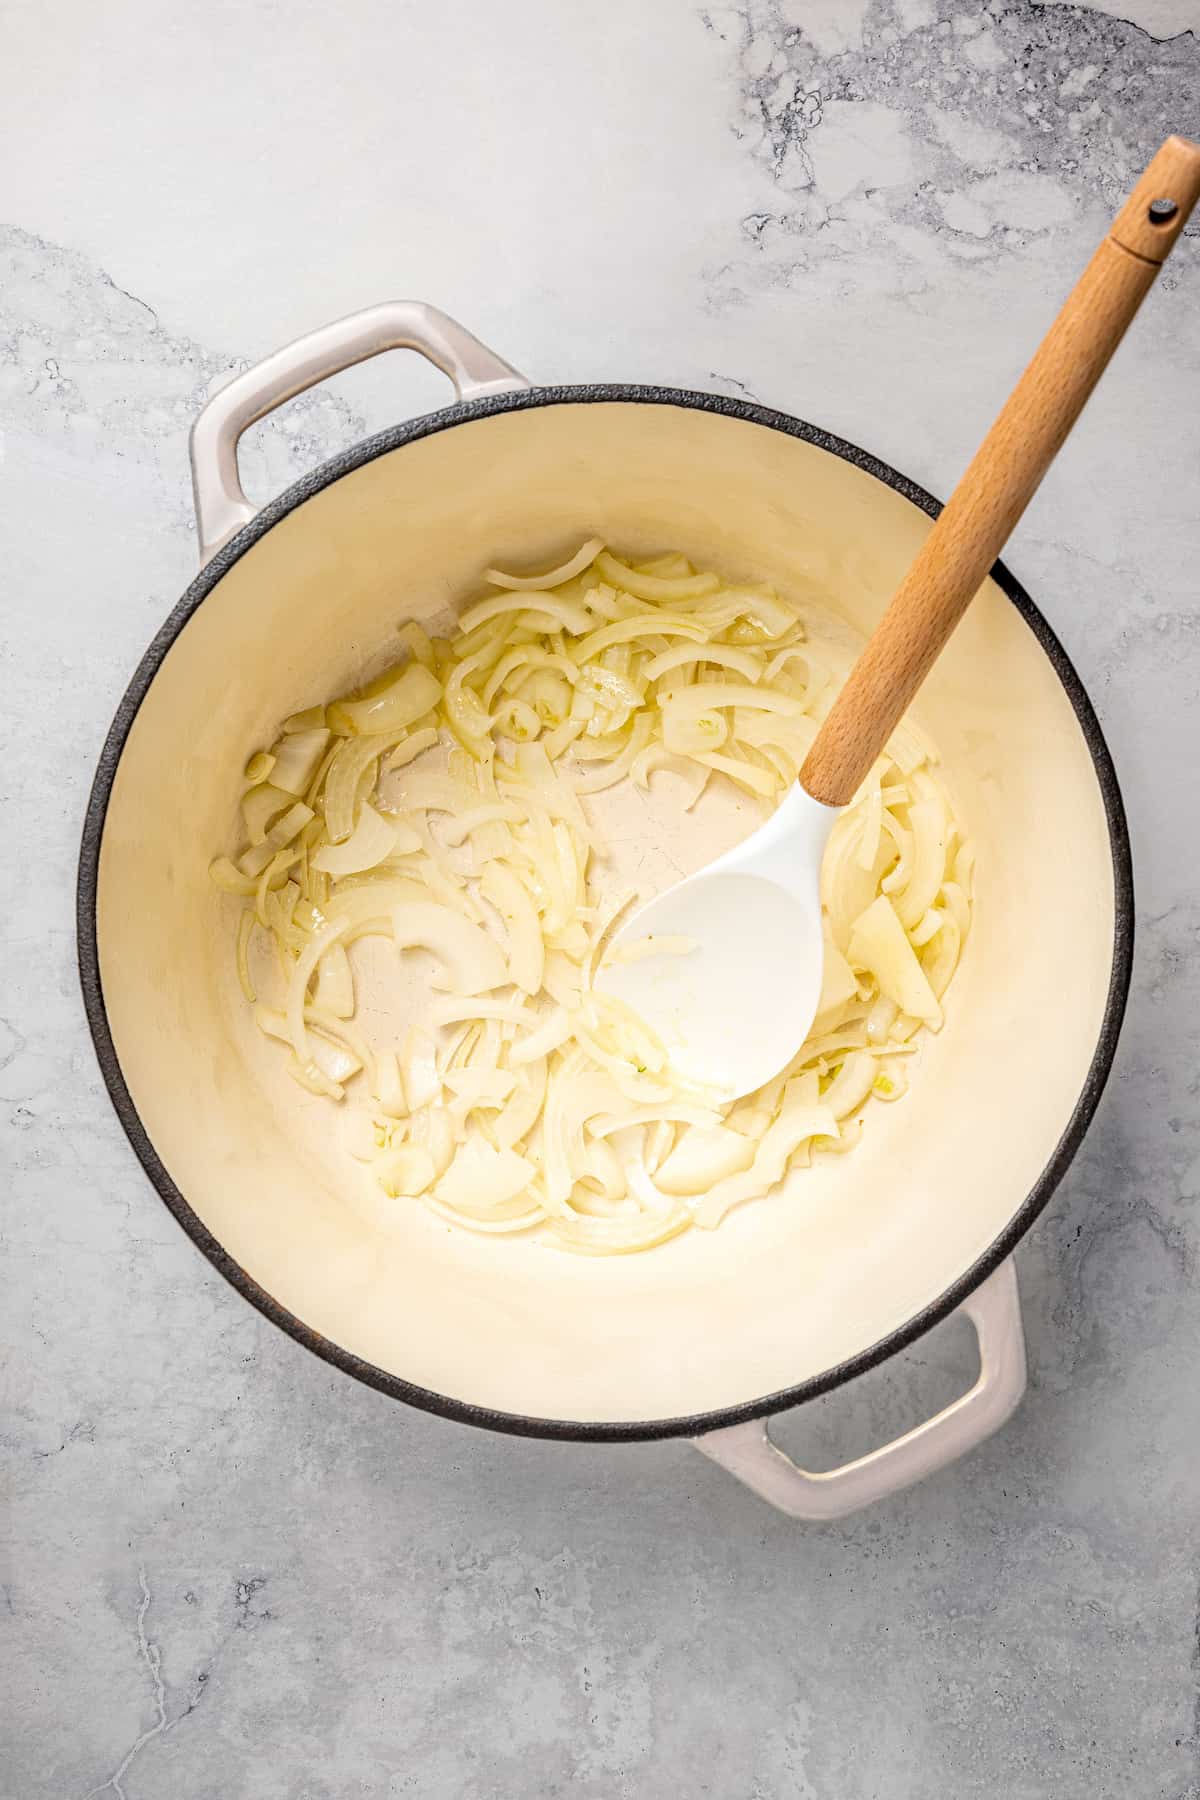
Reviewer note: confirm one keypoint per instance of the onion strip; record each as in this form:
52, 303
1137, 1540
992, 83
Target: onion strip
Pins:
583, 559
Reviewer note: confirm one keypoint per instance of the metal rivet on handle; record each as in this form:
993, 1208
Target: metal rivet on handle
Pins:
1162, 211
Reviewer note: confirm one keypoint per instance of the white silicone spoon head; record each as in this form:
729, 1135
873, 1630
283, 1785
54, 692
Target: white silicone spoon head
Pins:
734, 1009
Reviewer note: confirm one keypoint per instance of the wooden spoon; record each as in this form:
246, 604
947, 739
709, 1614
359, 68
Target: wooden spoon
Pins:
736, 1008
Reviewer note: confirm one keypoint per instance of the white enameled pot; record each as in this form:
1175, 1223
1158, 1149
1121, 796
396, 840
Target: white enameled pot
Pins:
709, 1335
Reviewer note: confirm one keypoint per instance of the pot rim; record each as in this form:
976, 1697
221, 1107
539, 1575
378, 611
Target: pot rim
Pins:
381, 444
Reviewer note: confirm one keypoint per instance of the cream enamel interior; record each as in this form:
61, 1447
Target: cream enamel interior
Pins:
786, 1289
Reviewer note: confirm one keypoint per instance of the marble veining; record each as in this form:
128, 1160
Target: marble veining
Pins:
231, 1572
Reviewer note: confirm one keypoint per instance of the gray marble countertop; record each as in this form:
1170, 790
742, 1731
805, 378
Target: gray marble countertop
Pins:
234, 1573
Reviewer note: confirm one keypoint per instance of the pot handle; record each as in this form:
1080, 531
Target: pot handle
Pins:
994, 1309
221, 505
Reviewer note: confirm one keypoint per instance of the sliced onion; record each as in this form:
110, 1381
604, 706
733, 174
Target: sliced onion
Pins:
744, 773
368, 908
400, 703
480, 1177
847, 889
524, 1107
613, 689
246, 926
296, 757
253, 861
689, 732
532, 658
890, 1083
940, 960
301, 975
526, 946
481, 1087
372, 839
880, 1019
956, 903
625, 631
473, 962
574, 1094
354, 759
878, 943
465, 712
620, 766
764, 616
926, 928
261, 806
657, 756
906, 749
671, 562
927, 822
763, 731
416, 641
550, 1035
405, 1172
311, 719
419, 1070
870, 827
334, 990
583, 559
705, 1154
388, 1085
798, 1119
704, 696
515, 719
289, 824
602, 1171
447, 1009
466, 823
794, 653
620, 1237
504, 1223
654, 587
229, 878
550, 612
725, 656
434, 1130
411, 747
851, 1085
683, 1112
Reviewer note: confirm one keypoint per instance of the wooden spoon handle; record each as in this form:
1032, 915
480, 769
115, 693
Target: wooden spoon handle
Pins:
1003, 475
